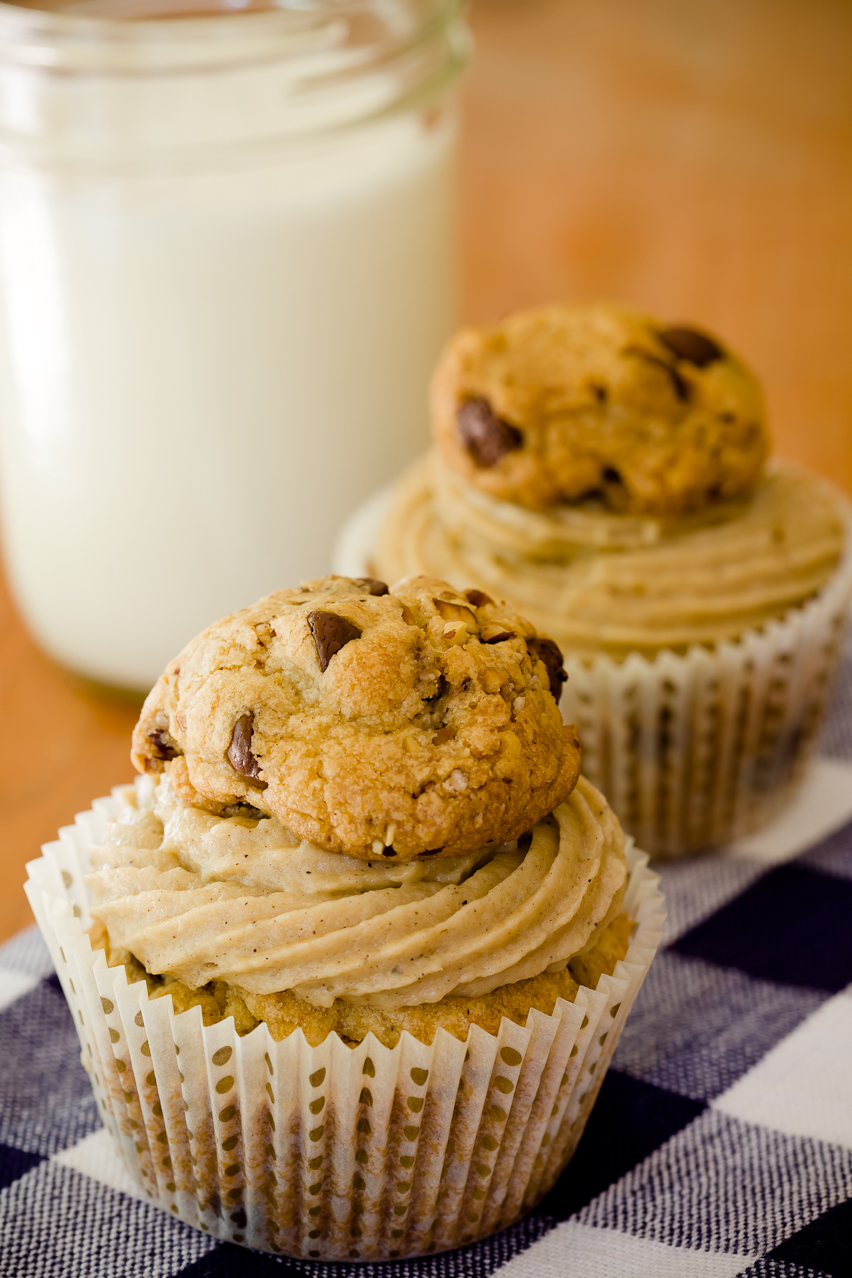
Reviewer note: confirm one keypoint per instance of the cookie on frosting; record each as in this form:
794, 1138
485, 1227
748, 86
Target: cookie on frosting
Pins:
377, 723
569, 402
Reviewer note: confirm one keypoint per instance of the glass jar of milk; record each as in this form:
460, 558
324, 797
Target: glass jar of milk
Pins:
226, 270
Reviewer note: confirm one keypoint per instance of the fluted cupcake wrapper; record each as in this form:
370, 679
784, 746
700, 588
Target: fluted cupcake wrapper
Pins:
332, 1152
691, 749
701, 748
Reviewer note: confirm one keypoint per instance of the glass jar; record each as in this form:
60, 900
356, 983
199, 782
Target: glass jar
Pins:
226, 270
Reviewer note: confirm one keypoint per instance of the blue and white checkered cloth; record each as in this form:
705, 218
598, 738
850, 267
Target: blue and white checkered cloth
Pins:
720, 1145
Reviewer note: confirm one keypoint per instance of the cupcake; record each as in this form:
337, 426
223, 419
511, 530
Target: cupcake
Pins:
608, 476
349, 961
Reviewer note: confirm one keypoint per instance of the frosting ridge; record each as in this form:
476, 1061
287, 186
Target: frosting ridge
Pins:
598, 581
203, 897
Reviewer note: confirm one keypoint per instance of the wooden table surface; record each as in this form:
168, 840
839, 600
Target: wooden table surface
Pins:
691, 156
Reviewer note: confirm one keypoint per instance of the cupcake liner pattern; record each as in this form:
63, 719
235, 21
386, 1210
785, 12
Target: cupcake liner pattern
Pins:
696, 749
332, 1152
699, 749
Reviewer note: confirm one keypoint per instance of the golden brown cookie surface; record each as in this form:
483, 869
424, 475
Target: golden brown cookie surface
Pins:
418, 721
567, 402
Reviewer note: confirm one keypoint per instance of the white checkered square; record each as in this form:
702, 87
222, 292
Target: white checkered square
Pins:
574, 1250
803, 1086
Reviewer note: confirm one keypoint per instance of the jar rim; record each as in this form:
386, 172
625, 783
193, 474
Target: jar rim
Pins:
75, 39
83, 90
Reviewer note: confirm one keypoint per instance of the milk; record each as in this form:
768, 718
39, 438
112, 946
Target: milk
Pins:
204, 371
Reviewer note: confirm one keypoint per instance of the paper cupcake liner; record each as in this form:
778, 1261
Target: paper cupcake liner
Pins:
332, 1152
696, 749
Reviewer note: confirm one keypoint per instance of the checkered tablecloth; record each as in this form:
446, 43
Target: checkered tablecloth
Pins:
721, 1143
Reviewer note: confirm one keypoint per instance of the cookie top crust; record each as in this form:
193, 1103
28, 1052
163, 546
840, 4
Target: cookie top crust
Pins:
567, 403
397, 723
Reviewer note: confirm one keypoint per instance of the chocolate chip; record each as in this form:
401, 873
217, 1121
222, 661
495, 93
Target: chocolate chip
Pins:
239, 751
689, 344
372, 585
330, 634
485, 435
442, 735
163, 746
478, 598
548, 652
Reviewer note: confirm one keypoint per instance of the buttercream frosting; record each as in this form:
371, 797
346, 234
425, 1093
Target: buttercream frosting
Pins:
603, 582
203, 897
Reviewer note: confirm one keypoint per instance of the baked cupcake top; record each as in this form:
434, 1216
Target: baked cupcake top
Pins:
567, 402
204, 897
420, 721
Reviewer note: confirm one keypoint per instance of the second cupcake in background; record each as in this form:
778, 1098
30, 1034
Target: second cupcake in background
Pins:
349, 962
607, 474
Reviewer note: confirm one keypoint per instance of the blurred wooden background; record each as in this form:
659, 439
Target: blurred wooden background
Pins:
691, 156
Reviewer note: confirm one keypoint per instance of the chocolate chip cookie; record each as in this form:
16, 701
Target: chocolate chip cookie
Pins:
567, 403
414, 722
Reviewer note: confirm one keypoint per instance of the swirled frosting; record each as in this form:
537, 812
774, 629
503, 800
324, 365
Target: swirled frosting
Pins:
603, 582
202, 897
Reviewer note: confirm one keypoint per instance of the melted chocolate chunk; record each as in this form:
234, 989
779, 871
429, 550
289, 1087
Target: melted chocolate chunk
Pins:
163, 746
478, 598
330, 634
240, 754
696, 348
548, 652
372, 585
485, 435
